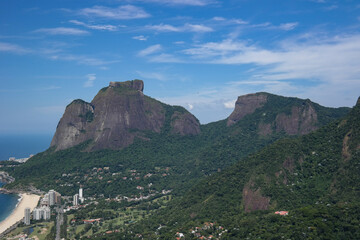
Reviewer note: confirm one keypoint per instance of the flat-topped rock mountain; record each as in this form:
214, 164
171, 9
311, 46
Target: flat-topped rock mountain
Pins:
117, 115
274, 113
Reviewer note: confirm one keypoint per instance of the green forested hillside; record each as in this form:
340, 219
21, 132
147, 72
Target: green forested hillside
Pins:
174, 162
315, 177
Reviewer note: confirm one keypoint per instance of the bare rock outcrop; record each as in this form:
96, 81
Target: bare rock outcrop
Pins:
184, 124
253, 200
245, 105
278, 114
115, 117
302, 120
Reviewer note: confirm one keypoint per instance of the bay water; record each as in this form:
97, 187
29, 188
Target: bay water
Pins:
18, 146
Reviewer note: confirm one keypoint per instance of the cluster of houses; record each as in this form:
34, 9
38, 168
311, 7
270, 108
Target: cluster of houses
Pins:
202, 233
282, 213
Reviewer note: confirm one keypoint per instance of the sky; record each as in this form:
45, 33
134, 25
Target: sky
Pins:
200, 54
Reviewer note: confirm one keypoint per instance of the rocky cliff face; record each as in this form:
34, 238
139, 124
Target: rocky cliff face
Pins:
290, 115
245, 105
116, 116
302, 120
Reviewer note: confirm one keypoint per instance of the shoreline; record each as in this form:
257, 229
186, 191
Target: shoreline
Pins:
25, 201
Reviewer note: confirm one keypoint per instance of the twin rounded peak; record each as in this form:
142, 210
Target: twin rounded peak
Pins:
133, 84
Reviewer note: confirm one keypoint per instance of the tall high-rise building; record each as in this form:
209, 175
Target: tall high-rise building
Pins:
52, 197
57, 198
81, 196
76, 200
45, 200
38, 214
46, 213
80, 193
27, 216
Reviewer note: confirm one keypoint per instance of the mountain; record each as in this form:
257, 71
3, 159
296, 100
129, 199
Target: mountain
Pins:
124, 130
315, 177
116, 116
279, 114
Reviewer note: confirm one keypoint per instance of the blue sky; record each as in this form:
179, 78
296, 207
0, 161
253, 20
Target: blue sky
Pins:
201, 54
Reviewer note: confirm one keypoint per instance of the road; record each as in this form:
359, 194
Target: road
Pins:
59, 220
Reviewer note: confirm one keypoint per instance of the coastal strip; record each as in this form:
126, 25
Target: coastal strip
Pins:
27, 201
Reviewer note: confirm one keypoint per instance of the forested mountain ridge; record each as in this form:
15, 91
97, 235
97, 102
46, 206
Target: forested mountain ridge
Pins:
175, 156
316, 177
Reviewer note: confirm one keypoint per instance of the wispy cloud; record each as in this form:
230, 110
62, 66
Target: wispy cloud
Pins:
334, 59
199, 28
150, 50
153, 55
13, 48
230, 104
62, 31
90, 80
179, 2
140, 38
229, 21
121, 12
82, 59
288, 26
106, 27
269, 26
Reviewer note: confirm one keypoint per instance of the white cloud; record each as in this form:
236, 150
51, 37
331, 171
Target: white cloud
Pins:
288, 26
140, 38
196, 28
190, 106
218, 19
90, 80
163, 28
230, 104
107, 27
13, 48
121, 12
179, 2
62, 31
150, 50
331, 61
185, 28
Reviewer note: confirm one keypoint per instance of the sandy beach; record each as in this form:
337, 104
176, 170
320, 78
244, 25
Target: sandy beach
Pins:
27, 200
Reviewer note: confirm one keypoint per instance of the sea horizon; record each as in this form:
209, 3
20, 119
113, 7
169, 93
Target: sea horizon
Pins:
22, 145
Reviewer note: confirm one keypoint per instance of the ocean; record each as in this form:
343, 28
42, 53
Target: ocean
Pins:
18, 146
7, 204
21, 146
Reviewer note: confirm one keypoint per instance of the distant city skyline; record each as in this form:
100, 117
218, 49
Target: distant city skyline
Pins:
200, 54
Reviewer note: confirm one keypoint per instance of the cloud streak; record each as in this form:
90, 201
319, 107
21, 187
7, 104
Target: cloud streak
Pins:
334, 59
106, 27
179, 2
62, 31
13, 48
150, 50
198, 28
125, 12
90, 80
